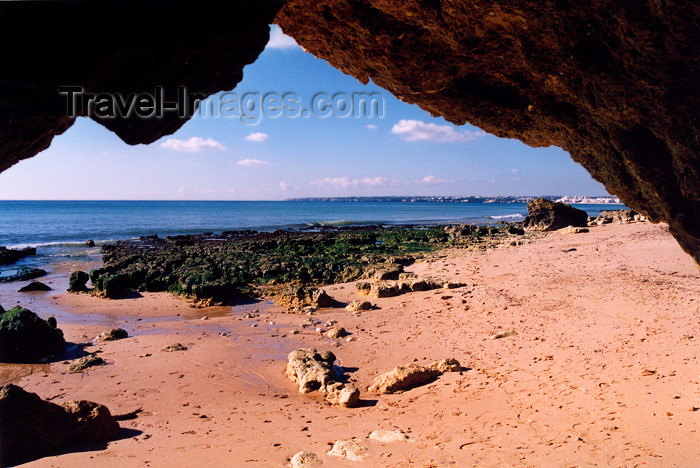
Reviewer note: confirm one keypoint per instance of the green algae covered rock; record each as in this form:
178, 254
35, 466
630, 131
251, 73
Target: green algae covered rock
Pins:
25, 337
220, 268
77, 281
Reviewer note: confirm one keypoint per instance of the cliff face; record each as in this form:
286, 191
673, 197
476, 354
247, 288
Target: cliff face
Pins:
116, 46
614, 83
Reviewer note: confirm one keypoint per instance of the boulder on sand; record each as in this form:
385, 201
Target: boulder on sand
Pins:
336, 332
174, 347
356, 306
546, 215
25, 337
112, 334
412, 375
33, 427
86, 362
305, 460
77, 281
35, 286
313, 370
300, 296
617, 216
406, 284
353, 449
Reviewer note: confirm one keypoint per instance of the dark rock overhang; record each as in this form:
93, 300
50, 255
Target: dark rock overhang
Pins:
613, 83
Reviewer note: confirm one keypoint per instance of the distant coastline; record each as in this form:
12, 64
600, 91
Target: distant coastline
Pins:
575, 199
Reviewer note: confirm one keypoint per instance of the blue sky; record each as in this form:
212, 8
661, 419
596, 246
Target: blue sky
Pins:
403, 152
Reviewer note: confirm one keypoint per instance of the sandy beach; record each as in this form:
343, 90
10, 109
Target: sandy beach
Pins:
602, 369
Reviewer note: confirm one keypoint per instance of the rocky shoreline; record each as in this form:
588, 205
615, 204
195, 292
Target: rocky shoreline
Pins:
223, 268
376, 261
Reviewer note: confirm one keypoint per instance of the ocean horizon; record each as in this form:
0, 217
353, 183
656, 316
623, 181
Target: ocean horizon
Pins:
59, 229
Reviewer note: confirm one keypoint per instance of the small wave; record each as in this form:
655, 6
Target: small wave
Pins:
341, 222
38, 245
510, 216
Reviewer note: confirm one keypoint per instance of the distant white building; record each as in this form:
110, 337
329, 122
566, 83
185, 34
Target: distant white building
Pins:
577, 199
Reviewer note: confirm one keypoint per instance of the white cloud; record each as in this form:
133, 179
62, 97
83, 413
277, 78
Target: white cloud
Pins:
252, 163
416, 130
371, 126
514, 171
432, 180
279, 40
283, 185
193, 145
258, 136
346, 182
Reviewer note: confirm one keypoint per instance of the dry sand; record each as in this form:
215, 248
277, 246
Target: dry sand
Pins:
603, 369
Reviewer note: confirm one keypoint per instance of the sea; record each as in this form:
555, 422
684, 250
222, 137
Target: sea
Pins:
59, 229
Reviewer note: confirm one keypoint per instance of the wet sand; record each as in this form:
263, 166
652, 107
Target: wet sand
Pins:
603, 369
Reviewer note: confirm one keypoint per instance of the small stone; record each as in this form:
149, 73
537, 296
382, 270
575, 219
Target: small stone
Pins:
447, 365
112, 334
352, 449
356, 306
336, 332
86, 362
503, 334
388, 436
342, 394
305, 460
174, 347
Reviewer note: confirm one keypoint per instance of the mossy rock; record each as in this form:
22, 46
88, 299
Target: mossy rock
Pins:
26, 338
77, 281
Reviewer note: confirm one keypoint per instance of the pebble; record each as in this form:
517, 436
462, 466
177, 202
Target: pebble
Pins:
305, 459
503, 334
388, 436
